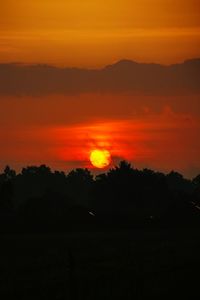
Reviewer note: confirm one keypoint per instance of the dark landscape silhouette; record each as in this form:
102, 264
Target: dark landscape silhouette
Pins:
122, 196
124, 234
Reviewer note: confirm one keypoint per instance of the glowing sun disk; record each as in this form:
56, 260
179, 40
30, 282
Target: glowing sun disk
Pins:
100, 158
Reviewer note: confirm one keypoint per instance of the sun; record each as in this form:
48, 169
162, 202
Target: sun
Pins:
100, 158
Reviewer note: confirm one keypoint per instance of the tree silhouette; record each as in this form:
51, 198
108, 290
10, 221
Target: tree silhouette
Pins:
6, 188
9, 174
121, 195
196, 194
79, 183
196, 180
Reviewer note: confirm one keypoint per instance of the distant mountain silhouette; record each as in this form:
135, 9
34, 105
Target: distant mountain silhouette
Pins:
123, 76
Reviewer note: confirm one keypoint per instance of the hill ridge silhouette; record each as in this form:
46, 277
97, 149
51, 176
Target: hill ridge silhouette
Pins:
122, 76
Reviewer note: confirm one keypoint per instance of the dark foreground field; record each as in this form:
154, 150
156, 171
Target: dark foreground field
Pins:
135, 264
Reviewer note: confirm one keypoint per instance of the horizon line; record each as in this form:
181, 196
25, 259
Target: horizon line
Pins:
122, 60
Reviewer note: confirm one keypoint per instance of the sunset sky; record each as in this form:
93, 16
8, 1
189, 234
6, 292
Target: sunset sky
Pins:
93, 33
154, 124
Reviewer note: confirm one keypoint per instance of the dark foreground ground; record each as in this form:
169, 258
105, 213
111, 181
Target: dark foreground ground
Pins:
128, 264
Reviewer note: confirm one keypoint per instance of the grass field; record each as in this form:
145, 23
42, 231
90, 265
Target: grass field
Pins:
129, 264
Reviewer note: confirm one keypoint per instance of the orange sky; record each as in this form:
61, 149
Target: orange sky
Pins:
152, 130
92, 33
61, 131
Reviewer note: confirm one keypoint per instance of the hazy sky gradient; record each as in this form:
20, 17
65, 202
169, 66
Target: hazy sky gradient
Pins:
94, 33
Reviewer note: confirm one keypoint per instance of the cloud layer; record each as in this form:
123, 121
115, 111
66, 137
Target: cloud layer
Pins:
124, 76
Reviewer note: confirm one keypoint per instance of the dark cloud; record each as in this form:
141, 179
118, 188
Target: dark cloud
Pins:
124, 76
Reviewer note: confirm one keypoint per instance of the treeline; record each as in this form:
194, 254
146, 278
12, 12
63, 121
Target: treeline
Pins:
40, 198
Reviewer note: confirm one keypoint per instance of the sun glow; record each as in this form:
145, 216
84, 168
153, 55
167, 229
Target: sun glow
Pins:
100, 158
